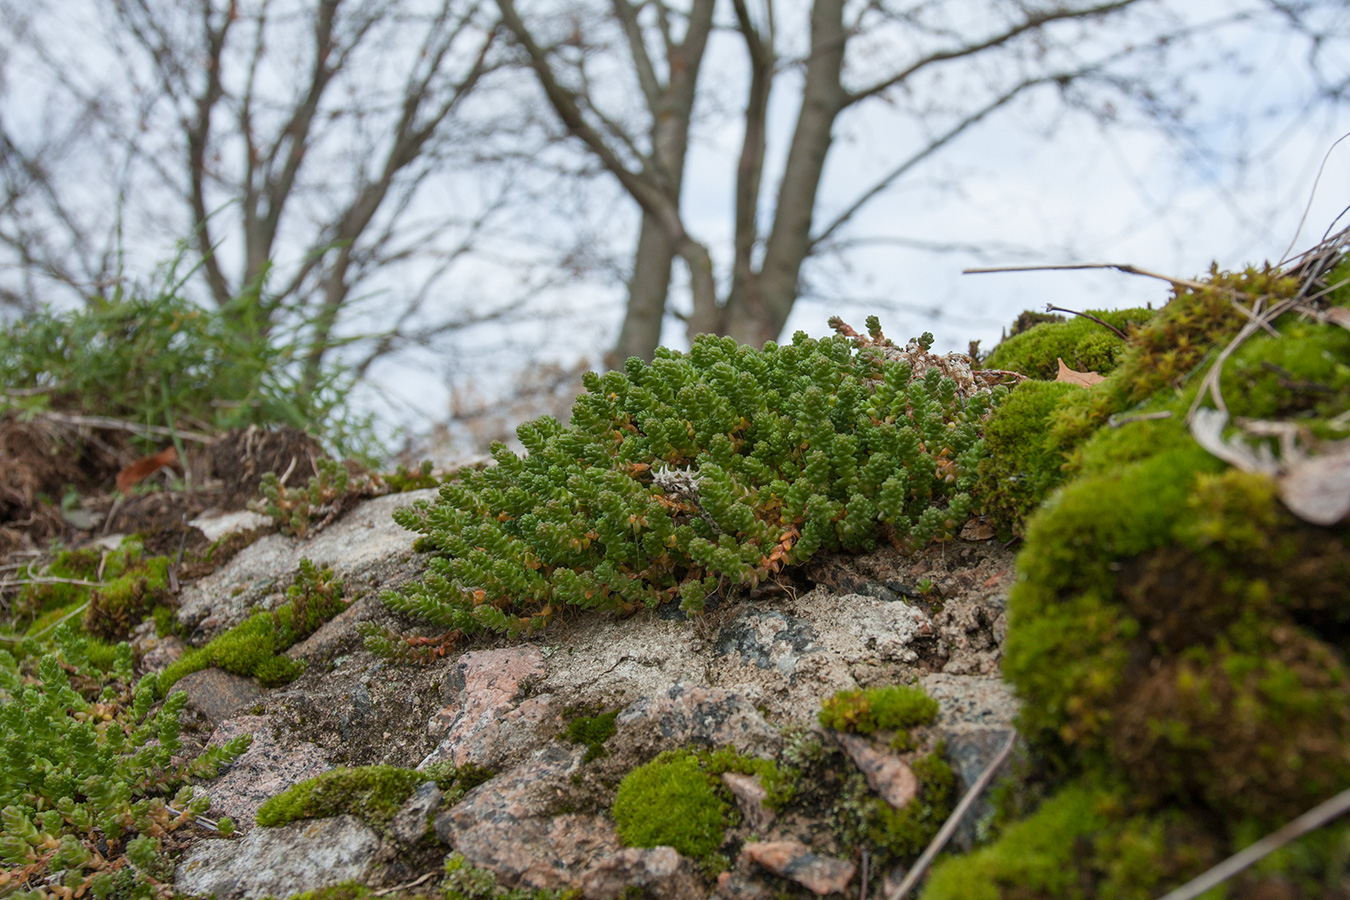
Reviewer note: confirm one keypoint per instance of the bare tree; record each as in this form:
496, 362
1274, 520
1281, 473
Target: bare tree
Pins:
937, 70
316, 147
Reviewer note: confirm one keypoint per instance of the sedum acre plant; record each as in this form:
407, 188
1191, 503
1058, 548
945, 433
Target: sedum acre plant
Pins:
677, 479
92, 779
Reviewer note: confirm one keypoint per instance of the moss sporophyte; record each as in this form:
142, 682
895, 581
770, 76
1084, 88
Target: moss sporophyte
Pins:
677, 480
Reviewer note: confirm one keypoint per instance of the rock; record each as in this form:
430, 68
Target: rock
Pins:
409, 824
968, 702
750, 794
279, 862
660, 873
709, 717
794, 860
265, 770
486, 723
217, 525
363, 548
507, 825
970, 753
770, 639
217, 694
886, 773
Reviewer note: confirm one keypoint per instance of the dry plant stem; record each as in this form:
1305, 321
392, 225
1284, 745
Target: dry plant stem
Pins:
1311, 820
404, 887
1127, 269
1259, 319
109, 422
1119, 333
949, 827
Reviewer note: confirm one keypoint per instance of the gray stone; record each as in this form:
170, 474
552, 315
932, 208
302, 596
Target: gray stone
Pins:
410, 823
279, 862
218, 694
660, 873
266, 769
508, 826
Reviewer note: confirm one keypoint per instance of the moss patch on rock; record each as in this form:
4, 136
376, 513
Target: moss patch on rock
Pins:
1178, 637
371, 793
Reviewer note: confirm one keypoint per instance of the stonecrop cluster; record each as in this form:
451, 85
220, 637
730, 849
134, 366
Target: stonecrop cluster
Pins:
676, 479
93, 779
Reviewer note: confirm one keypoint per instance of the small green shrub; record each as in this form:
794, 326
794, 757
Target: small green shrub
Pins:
677, 479
159, 359
90, 772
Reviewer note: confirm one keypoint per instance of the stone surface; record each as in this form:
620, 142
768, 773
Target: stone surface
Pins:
660, 873
750, 794
795, 860
710, 717
362, 548
733, 677
217, 525
279, 862
410, 823
266, 769
217, 694
508, 825
486, 721
886, 773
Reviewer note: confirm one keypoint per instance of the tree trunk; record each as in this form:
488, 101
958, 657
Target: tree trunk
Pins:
760, 314
647, 289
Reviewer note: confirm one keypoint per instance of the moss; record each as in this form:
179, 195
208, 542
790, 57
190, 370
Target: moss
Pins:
891, 708
593, 731
1026, 460
671, 801
1084, 345
456, 781
347, 890
371, 793
1174, 624
466, 882
902, 834
255, 647
121, 603
779, 783
1082, 843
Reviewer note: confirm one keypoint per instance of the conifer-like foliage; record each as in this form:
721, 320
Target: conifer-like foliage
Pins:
92, 783
677, 479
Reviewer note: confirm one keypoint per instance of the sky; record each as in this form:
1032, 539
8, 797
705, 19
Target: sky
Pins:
1033, 185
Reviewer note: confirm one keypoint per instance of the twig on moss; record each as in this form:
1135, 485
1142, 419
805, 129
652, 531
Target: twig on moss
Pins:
1311, 820
953, 821
1049, 307
1117, 420
1127, 269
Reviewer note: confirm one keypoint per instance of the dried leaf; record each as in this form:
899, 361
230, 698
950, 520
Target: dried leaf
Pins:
1082, 379
1317, 489
977, 529
144, 467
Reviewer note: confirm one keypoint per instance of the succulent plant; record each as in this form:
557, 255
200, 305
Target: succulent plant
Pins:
678, 478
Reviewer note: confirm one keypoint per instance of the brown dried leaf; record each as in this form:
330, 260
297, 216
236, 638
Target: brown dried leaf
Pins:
1082, 379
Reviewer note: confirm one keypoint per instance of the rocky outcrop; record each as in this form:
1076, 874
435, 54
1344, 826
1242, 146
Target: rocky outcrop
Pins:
749, 676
